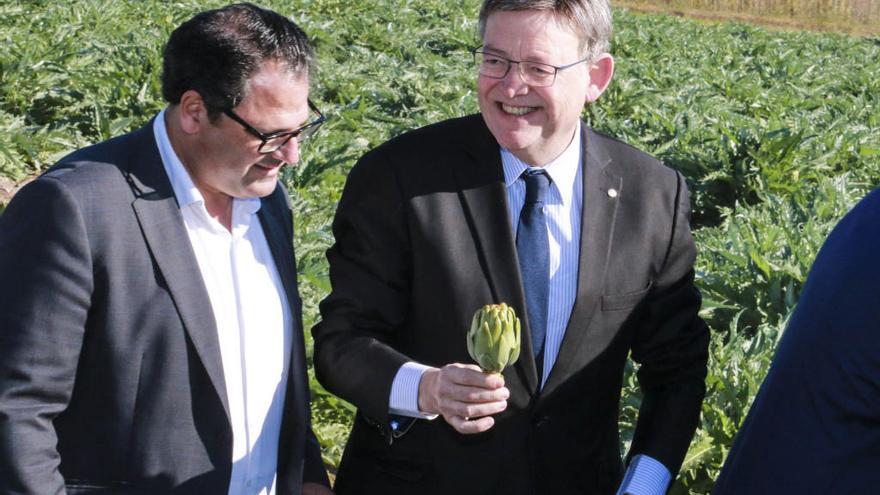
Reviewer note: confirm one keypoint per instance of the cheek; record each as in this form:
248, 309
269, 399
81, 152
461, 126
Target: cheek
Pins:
485, 86
572, 97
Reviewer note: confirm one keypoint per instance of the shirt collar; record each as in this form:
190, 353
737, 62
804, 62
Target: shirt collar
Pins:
184, 188
562, 171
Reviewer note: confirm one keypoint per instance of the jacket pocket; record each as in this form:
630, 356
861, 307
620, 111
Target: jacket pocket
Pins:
627, 300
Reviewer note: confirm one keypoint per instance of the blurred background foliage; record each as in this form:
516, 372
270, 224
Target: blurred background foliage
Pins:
777, 133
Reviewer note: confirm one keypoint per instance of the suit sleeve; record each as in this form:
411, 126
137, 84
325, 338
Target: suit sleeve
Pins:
46, 269
369, 272
671, 346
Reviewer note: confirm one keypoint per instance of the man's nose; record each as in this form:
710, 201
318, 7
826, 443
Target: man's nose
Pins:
289, 152
513, 81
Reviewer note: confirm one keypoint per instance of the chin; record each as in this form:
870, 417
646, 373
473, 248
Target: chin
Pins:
514, 141
512, 134
261, 189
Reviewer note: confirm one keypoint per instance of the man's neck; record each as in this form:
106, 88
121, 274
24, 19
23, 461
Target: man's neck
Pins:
219, 205
543, 157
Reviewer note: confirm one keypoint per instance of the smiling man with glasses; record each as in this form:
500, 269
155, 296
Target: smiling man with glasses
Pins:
584, 236
152, 341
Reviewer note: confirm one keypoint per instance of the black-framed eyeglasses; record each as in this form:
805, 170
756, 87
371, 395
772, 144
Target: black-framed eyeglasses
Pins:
532, 73
274, 140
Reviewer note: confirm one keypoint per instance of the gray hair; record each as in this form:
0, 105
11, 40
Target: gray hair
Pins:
589, 19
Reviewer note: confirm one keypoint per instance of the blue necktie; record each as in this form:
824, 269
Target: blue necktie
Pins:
533, 251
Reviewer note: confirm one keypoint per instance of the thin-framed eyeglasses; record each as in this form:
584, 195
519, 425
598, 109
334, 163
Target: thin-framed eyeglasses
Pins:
533, 73
275, 140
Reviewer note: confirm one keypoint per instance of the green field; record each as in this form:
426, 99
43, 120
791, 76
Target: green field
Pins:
778, 135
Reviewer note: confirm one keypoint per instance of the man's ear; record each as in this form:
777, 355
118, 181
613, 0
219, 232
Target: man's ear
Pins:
192, 113
601, 71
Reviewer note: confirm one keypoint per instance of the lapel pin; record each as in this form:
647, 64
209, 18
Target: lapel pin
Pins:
612, 193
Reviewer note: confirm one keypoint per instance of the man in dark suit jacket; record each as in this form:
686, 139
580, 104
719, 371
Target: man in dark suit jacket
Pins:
126, 361
815, 424
427, 232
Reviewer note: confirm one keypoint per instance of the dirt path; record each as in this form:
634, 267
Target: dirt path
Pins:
844, 26
7, 189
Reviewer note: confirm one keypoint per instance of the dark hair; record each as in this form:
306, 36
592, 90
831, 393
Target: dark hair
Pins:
216, 52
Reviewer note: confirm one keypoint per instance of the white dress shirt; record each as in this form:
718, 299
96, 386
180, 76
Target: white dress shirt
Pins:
253, 321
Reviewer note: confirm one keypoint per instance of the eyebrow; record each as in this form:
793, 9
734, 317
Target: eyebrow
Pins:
306, 119
288, 131
503, 53
490, 48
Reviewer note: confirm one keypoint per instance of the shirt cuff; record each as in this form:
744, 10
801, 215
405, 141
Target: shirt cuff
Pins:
404, 400
645, 476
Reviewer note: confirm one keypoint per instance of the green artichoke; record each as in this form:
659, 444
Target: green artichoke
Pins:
493, 341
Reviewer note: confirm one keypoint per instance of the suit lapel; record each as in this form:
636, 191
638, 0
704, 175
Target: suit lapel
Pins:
279, 235
483, 194
160, 221
278, 229
597, 227
280, 238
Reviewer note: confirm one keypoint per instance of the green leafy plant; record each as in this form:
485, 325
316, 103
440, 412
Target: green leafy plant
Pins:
776, 133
